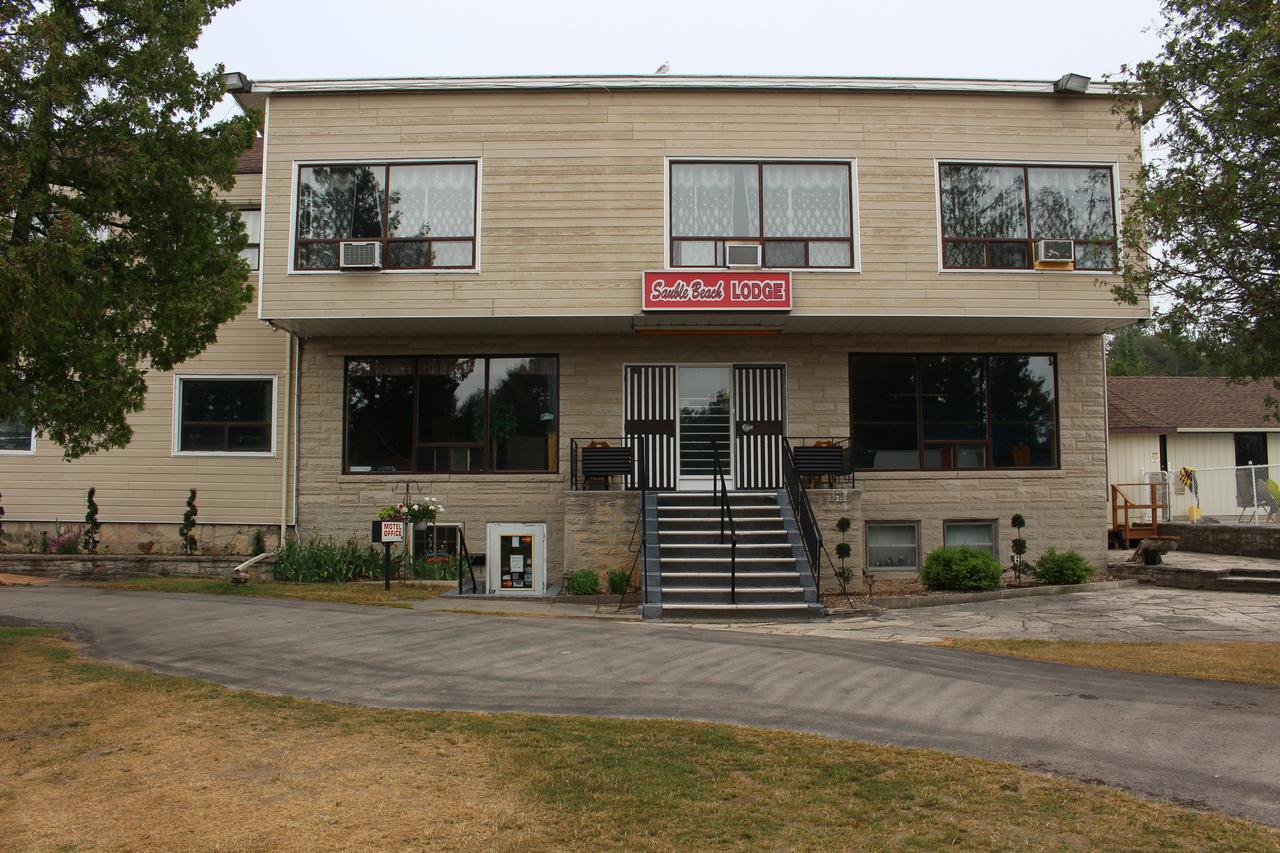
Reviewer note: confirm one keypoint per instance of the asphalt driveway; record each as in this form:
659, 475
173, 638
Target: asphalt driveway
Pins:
1200, 742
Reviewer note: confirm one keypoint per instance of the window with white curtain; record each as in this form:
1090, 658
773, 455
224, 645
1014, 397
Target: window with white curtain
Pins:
424, 214
801, 213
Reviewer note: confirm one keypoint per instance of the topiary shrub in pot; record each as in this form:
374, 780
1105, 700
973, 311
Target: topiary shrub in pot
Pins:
1067, 568
584, 582
960, 568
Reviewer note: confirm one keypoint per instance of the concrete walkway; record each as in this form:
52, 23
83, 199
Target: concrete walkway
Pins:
1202, 742
1135, 614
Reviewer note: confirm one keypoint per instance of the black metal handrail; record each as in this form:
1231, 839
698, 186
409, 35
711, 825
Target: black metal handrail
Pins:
464, 556
810, 533
726, 513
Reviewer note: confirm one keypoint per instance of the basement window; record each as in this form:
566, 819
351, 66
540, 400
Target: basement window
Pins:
975, 534
893, 545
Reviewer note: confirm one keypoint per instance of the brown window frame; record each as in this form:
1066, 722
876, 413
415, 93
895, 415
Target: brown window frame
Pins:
762, 239
987, 443
415, 467
385, 240
1029, 241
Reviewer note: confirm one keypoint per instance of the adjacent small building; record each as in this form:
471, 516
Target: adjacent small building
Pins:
464, 284
1224, 431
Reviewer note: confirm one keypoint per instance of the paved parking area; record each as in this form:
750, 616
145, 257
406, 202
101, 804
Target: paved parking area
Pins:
1135, 614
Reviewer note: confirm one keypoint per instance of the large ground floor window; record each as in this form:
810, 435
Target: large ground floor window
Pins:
953, 411
452, 414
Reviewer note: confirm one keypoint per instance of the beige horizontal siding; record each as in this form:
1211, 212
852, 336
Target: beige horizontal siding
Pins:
573, 192
145, 482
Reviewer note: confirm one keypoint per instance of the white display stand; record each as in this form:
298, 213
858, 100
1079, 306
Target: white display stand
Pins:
516, 559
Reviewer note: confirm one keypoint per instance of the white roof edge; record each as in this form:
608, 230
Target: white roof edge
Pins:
654, 81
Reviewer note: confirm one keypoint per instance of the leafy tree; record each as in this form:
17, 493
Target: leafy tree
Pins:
116, 253
1203, 222
1140, 350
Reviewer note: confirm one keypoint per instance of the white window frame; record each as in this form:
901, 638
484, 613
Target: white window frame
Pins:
178, 379
1113, 165
991, 523
31, 451
855, 208
243, 210
866, 539
299, 165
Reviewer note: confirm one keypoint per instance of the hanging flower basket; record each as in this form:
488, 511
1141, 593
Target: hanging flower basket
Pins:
422, 510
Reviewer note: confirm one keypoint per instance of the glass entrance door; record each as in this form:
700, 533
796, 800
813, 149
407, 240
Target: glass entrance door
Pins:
705, 417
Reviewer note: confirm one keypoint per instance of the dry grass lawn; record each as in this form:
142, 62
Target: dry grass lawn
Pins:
1251, 663
400, 595
100, 757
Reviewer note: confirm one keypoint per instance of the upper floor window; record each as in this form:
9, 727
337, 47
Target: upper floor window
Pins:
423, 214
226, 414
953, 411
802, 214
993, 215
16, 437
252, 219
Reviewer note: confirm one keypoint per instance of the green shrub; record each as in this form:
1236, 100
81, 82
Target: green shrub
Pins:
584, 582
961, 568
618, 581
1055, 568
326, 561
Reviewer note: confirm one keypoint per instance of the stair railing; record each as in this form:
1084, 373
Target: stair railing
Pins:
810, 532
464, 558
720, 493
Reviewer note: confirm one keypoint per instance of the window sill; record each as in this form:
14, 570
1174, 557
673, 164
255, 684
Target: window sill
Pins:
31, 452
459, 271
237, 454
1028, 272
953, 473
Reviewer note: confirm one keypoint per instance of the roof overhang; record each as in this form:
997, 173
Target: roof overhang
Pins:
692, 323
252, 93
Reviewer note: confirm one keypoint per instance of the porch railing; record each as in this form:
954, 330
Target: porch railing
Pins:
823, 461
806, 521
466, 569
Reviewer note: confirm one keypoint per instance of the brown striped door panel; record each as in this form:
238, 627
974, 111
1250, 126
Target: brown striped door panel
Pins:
760, 416
649, 422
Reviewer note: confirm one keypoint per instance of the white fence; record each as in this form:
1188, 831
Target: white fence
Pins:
1246, 493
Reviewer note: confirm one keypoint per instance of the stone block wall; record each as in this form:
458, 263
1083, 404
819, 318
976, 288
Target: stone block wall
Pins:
128, 538
1065, 507
1241, 540
106, 566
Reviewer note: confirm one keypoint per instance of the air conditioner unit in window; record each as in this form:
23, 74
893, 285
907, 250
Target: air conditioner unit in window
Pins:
741, 255
360, 256
1055, 251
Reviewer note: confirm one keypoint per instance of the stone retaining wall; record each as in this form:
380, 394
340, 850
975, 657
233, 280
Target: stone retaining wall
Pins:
124, 565
1242, 540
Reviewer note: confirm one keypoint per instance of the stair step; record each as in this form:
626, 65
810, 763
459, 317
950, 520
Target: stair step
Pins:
727, 559
730, 607
705, 518
790, 590
716, 532
726, 575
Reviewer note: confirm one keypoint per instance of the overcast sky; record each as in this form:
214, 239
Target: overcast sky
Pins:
282, 39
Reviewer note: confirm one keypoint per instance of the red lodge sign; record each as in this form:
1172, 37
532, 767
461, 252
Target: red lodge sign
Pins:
717, 291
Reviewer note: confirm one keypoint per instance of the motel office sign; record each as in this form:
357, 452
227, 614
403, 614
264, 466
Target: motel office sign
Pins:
717, 291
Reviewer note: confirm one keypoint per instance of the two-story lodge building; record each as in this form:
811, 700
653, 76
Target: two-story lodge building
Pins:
497, 288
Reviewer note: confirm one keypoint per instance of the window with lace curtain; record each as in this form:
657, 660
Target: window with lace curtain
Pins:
802, 213
424, 214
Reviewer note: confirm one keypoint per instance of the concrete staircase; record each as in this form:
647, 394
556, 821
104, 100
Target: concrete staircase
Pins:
1250, 580
694, 566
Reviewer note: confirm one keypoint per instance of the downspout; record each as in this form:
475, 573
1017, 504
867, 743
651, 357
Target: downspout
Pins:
297, 430
288, 422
